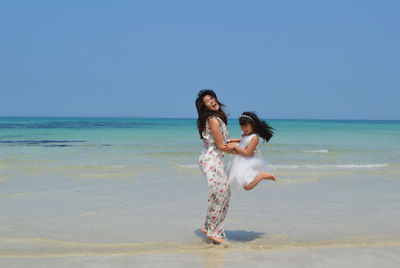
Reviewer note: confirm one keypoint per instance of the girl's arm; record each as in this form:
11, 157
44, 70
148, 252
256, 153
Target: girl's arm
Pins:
213, 124
234, 140
249, 150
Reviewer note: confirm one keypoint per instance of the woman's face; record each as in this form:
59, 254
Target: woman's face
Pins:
211, 103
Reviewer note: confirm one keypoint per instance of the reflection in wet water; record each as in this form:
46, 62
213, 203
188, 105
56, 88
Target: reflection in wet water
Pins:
214, 258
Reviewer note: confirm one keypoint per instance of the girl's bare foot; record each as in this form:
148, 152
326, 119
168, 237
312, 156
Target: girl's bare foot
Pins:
263, 175
268, 176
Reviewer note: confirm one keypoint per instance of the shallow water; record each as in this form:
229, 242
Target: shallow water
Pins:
133, 185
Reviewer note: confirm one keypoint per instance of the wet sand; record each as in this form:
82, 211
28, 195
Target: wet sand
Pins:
376, 256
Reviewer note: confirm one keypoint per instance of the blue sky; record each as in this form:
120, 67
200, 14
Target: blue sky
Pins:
282, 59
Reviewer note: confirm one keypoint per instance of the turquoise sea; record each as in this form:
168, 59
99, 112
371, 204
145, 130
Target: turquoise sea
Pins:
73, 186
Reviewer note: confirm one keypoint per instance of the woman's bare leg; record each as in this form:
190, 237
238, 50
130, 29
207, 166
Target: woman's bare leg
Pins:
262, 176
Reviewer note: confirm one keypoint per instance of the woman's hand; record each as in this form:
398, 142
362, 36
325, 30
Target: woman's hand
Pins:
249, 150
231, 148
227, 149
231, 145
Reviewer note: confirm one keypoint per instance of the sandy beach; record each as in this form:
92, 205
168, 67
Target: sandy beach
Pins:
372, 256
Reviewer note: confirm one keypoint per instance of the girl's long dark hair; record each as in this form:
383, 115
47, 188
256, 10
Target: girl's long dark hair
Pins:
260, 127
204, 113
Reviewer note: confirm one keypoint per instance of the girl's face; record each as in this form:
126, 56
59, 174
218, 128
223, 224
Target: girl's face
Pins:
247, 129
211, 103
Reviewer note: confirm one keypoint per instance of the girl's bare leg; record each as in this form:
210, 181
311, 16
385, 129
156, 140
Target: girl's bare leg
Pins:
262, 176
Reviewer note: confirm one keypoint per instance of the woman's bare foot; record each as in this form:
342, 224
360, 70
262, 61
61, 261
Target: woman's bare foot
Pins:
217, 240
203, 231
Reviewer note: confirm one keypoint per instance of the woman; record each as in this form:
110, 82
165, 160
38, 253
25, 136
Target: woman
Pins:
211, 123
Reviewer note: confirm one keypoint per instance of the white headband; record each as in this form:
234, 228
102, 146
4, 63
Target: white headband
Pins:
246, 116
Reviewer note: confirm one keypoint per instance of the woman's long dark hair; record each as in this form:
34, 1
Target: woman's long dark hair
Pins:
204, 113
260, 127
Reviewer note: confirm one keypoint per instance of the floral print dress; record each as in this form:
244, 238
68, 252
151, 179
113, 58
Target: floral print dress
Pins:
219, 191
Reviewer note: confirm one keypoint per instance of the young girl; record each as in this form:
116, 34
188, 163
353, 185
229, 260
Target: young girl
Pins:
247, 169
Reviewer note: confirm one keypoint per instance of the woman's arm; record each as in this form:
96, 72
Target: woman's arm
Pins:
213, 124
249, 150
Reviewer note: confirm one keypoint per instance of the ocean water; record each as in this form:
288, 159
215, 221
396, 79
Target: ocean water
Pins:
81, 186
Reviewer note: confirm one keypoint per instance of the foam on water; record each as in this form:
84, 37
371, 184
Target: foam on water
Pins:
333, 166
298, 166
189, 166
324, 151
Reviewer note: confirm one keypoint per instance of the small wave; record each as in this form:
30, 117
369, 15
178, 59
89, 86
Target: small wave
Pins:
322, 151
311, 179
287, 166
377, 165
115, 166
363, 166
190, 166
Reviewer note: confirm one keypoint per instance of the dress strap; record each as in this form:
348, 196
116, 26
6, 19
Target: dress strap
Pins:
250, 136
216, 117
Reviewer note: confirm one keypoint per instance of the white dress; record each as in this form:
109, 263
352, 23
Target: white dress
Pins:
242, 170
